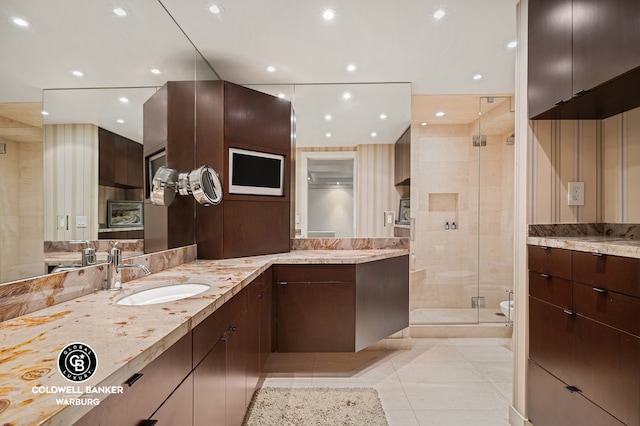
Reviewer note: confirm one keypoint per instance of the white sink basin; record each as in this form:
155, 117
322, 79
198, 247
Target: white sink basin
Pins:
167, 293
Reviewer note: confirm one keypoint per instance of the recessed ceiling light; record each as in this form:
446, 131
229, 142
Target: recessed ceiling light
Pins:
155, 71
327, 117
440, 114
281, 95
44, 112
20, 22
477, 76
424, 123
512, 44
374, 134
215, 9
124, 100
120, 11
328, 135
346, 95
271, 68
383, 116
328, 14
77, 73
120, 120
439, 14
351, 67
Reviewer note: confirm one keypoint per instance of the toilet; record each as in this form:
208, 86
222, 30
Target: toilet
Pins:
506, 307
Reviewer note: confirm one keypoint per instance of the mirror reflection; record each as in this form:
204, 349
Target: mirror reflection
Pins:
51, 163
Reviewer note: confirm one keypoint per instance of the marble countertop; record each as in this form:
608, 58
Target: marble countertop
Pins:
124, 338
615, 246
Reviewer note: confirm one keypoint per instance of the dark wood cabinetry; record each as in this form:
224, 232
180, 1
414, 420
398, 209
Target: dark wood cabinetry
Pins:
584, 339
144, 393
340, 308
199, 130
402, 165
119, 161
583, 58
208, 377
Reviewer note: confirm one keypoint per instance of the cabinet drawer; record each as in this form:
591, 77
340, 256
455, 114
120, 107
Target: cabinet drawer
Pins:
620, 274
551, 261
600, 361
316, 273
550, 403
209, 332
554, 290
614, 309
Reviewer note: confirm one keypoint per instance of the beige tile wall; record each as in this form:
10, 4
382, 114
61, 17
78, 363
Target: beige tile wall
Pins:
21, 211
452, 181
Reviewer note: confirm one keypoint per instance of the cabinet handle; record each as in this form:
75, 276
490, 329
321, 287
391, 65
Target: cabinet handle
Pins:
572, 389
570, 312
547, 276
283, 283
600, 290
149, 422
598, 254
224, 337
131, 380
560, 102
232, 328
544, 247
580, 92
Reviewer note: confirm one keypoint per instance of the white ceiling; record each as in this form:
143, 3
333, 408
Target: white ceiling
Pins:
390, 43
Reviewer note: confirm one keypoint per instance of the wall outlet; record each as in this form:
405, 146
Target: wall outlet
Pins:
576, 194
81, 221
388, 218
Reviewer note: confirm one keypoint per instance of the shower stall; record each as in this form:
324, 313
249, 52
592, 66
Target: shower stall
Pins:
462, 209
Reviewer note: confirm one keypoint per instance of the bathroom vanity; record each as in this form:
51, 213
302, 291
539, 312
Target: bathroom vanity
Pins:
199, 357
584, 330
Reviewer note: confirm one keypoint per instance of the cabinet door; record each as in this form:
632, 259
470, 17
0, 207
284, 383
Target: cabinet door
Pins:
121, 168
209, 387
135, 165
402, 161
178, 408
550, 69
315, 316
550, 403
606, 36
236, 390
106, 157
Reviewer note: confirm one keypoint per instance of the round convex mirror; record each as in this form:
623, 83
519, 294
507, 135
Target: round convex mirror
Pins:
164, 186
205, 185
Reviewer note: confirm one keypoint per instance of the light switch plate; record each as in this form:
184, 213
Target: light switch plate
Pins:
388, 218
61, 220
575, 193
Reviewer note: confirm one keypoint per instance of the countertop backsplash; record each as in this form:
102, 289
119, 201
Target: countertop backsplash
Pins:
629, 231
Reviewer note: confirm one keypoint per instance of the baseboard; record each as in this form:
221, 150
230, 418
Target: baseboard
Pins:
460, 330
516, 419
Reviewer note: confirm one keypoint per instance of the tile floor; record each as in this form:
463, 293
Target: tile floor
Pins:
439, 382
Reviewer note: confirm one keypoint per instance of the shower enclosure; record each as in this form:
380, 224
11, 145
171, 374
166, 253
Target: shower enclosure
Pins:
462, 208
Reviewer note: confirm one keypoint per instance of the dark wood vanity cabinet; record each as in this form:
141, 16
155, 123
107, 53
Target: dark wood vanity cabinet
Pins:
583, 58
340, 308
584, 339
208, 377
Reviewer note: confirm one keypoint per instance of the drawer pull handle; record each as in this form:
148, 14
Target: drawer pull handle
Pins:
570, 312
598, 254
600, 290
283, 283
131, 380
224, 337
581, 92
547, 276
544, 247
232, 328
560, 102
572, 389
149, 422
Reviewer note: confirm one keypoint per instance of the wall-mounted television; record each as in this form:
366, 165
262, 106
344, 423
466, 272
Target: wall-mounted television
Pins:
255, 173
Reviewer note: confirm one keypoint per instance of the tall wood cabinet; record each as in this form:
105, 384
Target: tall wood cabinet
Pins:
584, 60
584, 338
402, 165
220, 115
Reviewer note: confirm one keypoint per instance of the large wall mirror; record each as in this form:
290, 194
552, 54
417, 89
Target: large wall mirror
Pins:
48, 163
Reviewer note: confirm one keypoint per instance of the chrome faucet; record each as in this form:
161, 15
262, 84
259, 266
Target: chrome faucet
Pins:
114, 268
88, 255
